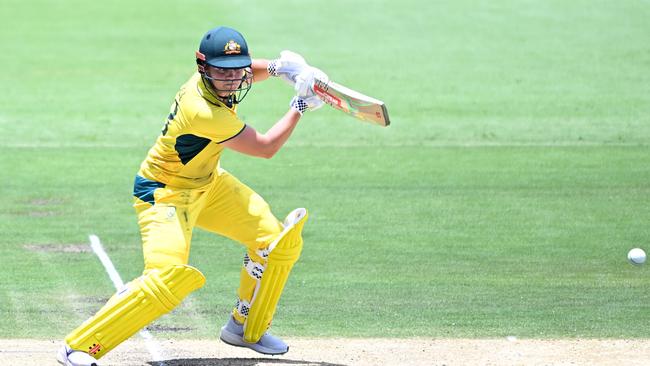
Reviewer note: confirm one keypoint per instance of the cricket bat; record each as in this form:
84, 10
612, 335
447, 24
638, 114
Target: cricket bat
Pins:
352, 102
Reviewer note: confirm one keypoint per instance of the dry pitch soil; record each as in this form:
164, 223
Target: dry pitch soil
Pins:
338, 352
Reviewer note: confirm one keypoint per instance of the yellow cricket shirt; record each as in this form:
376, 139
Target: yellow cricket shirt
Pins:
187, 153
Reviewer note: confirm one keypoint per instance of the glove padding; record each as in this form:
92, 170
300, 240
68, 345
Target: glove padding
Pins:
306, 98
304, 85
292, 68
288, 66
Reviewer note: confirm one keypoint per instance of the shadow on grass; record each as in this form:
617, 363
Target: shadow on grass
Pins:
235, 362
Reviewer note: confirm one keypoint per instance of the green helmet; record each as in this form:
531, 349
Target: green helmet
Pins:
225, 48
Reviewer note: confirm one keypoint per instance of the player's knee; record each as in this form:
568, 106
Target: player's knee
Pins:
287, 244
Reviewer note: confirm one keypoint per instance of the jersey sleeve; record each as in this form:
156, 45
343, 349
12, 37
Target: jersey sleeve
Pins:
217, 124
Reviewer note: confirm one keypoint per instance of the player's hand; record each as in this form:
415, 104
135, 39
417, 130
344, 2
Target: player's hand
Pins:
303, 104
288, 66
305, 81
306, 98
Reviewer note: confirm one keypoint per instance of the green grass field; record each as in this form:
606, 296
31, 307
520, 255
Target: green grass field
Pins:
501, 201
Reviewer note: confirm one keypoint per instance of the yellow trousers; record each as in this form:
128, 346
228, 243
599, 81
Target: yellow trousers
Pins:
227, 207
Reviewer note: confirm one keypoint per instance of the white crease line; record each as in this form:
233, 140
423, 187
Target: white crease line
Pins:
152, 346
96, 245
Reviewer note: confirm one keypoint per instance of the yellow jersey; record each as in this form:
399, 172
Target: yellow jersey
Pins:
186, 154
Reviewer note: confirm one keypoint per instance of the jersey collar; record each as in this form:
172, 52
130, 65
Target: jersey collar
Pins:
205, 93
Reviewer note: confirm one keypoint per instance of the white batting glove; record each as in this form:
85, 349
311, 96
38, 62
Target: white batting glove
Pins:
305, 81
303, 104
287, 67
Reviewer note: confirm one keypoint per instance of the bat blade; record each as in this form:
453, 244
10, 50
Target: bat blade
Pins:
352, 102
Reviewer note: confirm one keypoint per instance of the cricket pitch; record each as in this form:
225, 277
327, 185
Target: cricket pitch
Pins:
356, 351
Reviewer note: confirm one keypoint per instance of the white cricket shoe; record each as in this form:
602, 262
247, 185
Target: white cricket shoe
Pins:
233, 334
69, 357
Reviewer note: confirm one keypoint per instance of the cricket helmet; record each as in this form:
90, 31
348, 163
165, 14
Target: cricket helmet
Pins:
224, 48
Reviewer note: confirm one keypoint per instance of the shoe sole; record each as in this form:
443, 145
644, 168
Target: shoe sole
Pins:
237, 341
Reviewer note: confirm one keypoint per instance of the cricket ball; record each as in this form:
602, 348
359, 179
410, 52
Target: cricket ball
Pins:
636, 256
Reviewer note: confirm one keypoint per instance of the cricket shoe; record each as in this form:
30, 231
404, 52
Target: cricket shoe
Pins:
69, 357
233, 334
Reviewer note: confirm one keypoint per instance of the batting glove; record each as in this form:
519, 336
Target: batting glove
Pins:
305, 80
287, 67
303, 104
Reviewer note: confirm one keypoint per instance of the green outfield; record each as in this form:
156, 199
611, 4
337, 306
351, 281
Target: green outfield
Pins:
502, 200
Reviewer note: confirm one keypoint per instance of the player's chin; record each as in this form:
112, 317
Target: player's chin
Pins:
225, 93
227, 90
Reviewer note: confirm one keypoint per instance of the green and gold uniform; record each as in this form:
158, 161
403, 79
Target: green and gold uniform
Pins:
180, 185
187, 153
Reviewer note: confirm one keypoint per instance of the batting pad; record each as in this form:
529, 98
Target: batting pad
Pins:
284, 252
141, 302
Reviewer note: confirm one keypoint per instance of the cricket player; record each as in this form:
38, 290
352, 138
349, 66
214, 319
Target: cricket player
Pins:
181, 185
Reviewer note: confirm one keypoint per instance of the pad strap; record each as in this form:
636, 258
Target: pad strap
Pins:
263, 253
243, 307
253, 268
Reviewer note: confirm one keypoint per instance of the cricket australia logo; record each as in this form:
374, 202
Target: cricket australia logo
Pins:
232, 48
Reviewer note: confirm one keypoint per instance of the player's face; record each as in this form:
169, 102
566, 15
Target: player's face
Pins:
225, 81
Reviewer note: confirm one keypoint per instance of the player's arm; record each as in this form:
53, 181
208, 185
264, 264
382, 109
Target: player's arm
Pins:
251, 142
260, 69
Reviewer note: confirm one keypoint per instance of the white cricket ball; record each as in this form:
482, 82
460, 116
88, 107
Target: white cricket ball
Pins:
636, 256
